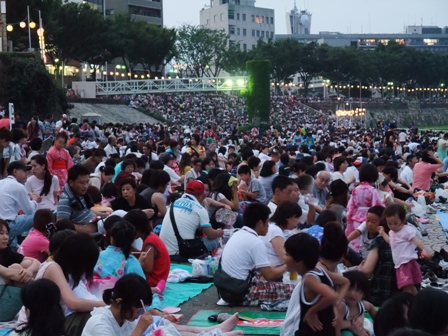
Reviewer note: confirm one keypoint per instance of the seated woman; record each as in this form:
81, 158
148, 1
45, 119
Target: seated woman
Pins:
15, 269
158, 183
130, 200
154, 257
286, 217
41, 298
116, 260
127, 315
127, 169
71, 268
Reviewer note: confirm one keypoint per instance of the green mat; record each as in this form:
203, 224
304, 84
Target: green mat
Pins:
200, 319
177, 293
262, 327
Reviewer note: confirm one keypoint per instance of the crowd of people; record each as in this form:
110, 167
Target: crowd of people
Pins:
304, 216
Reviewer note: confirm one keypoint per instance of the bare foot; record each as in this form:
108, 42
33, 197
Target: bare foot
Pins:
229, 324
234, 333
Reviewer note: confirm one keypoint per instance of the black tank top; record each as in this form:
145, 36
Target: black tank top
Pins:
325, 316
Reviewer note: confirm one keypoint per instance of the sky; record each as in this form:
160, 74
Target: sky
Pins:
344, 16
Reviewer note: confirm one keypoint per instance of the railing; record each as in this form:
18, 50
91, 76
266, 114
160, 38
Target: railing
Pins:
170, 85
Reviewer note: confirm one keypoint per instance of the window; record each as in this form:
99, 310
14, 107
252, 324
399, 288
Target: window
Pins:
238, 31
262, 33
231, 43
258, 33
253, 32
272, 20
272, 34
245, 47
267, 34
238, 16
222, 16
110, 12
215, 17
143, 11
244, 31
208, 22
253, 46
244, 17
231, 15
253, 18
231, 30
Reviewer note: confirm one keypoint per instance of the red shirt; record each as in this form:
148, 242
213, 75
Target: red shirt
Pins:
161, 266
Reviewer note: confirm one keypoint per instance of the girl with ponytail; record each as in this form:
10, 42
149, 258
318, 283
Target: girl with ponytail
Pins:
41, 298
43, 184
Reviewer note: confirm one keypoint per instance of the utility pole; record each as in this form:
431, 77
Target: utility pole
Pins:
3, 36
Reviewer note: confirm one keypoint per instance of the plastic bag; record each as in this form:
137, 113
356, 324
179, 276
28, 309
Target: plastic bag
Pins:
417, 209
163, 328
441, 193
199, 267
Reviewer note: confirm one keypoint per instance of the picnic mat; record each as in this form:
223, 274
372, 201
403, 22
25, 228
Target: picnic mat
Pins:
177, 293
5, 327
265, 322
443, 220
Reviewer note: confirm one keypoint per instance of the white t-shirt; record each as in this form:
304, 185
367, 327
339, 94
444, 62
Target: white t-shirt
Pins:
273, 232
34, 186
272, 206
243, 252
402, 137
103, 323
407, 174
189, 216
173, 176
264, 157
365, 240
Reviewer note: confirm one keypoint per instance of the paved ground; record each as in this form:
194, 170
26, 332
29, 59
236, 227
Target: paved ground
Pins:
436, 239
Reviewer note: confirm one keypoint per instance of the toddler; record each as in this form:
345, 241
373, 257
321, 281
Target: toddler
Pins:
403, 241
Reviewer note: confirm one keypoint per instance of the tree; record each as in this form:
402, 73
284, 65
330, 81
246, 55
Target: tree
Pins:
201, 51
159, 47
258, 92
26, 83
312, 57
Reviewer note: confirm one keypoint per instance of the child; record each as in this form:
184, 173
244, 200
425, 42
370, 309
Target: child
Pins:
41, 298
352, 309
403, 241
250, 188
317, 296
368, 230
59, 159
36, 243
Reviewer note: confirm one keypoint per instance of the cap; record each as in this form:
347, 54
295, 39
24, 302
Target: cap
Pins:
359, 161
338, 187
165, 157
195, 187
17, 165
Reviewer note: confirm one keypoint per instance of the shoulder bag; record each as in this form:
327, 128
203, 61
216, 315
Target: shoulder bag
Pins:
231, 290
188, 248
10, 302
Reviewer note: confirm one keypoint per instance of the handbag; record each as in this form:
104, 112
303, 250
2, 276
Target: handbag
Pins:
10, 302
188, 248
231, 290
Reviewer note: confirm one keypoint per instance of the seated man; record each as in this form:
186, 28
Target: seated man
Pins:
320, 189
189, 216
245, 252
75, 202
15, 198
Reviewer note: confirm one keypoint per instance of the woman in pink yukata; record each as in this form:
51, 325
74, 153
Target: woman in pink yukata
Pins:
364, 196
59, 159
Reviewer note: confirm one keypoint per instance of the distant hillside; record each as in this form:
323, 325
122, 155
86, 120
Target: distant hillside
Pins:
111, 113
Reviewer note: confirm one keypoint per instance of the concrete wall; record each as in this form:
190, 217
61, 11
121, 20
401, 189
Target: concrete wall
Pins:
85, 89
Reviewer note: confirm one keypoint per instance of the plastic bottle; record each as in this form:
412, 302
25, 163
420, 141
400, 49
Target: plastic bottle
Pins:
213, 265
207, 265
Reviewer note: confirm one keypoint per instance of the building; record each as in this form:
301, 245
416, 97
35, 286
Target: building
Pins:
241, 20
298, 22
428, 38
150, 11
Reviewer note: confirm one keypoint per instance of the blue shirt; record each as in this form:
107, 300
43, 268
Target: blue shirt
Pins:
112, 262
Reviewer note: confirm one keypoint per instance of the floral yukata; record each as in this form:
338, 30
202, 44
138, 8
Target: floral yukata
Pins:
59, 162
364, 196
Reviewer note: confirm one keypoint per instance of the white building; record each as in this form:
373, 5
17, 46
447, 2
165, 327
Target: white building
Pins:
298, 22
241, 20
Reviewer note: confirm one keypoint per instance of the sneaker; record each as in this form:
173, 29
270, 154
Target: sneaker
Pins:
443, 264
430, 209
221, 302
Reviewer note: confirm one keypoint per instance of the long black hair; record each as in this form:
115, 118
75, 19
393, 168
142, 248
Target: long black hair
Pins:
46, 317
48, 178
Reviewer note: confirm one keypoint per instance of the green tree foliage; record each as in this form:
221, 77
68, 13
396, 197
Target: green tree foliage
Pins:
201, 51
26, 83
258, 91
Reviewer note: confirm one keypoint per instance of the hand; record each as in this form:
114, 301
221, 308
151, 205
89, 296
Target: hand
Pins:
226, 206
313, 321
144, 322
171, 318
36, 198
335, 319
427, 253
28, 276
16, 273
220, 232
149, 212
380, 230
409, 205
